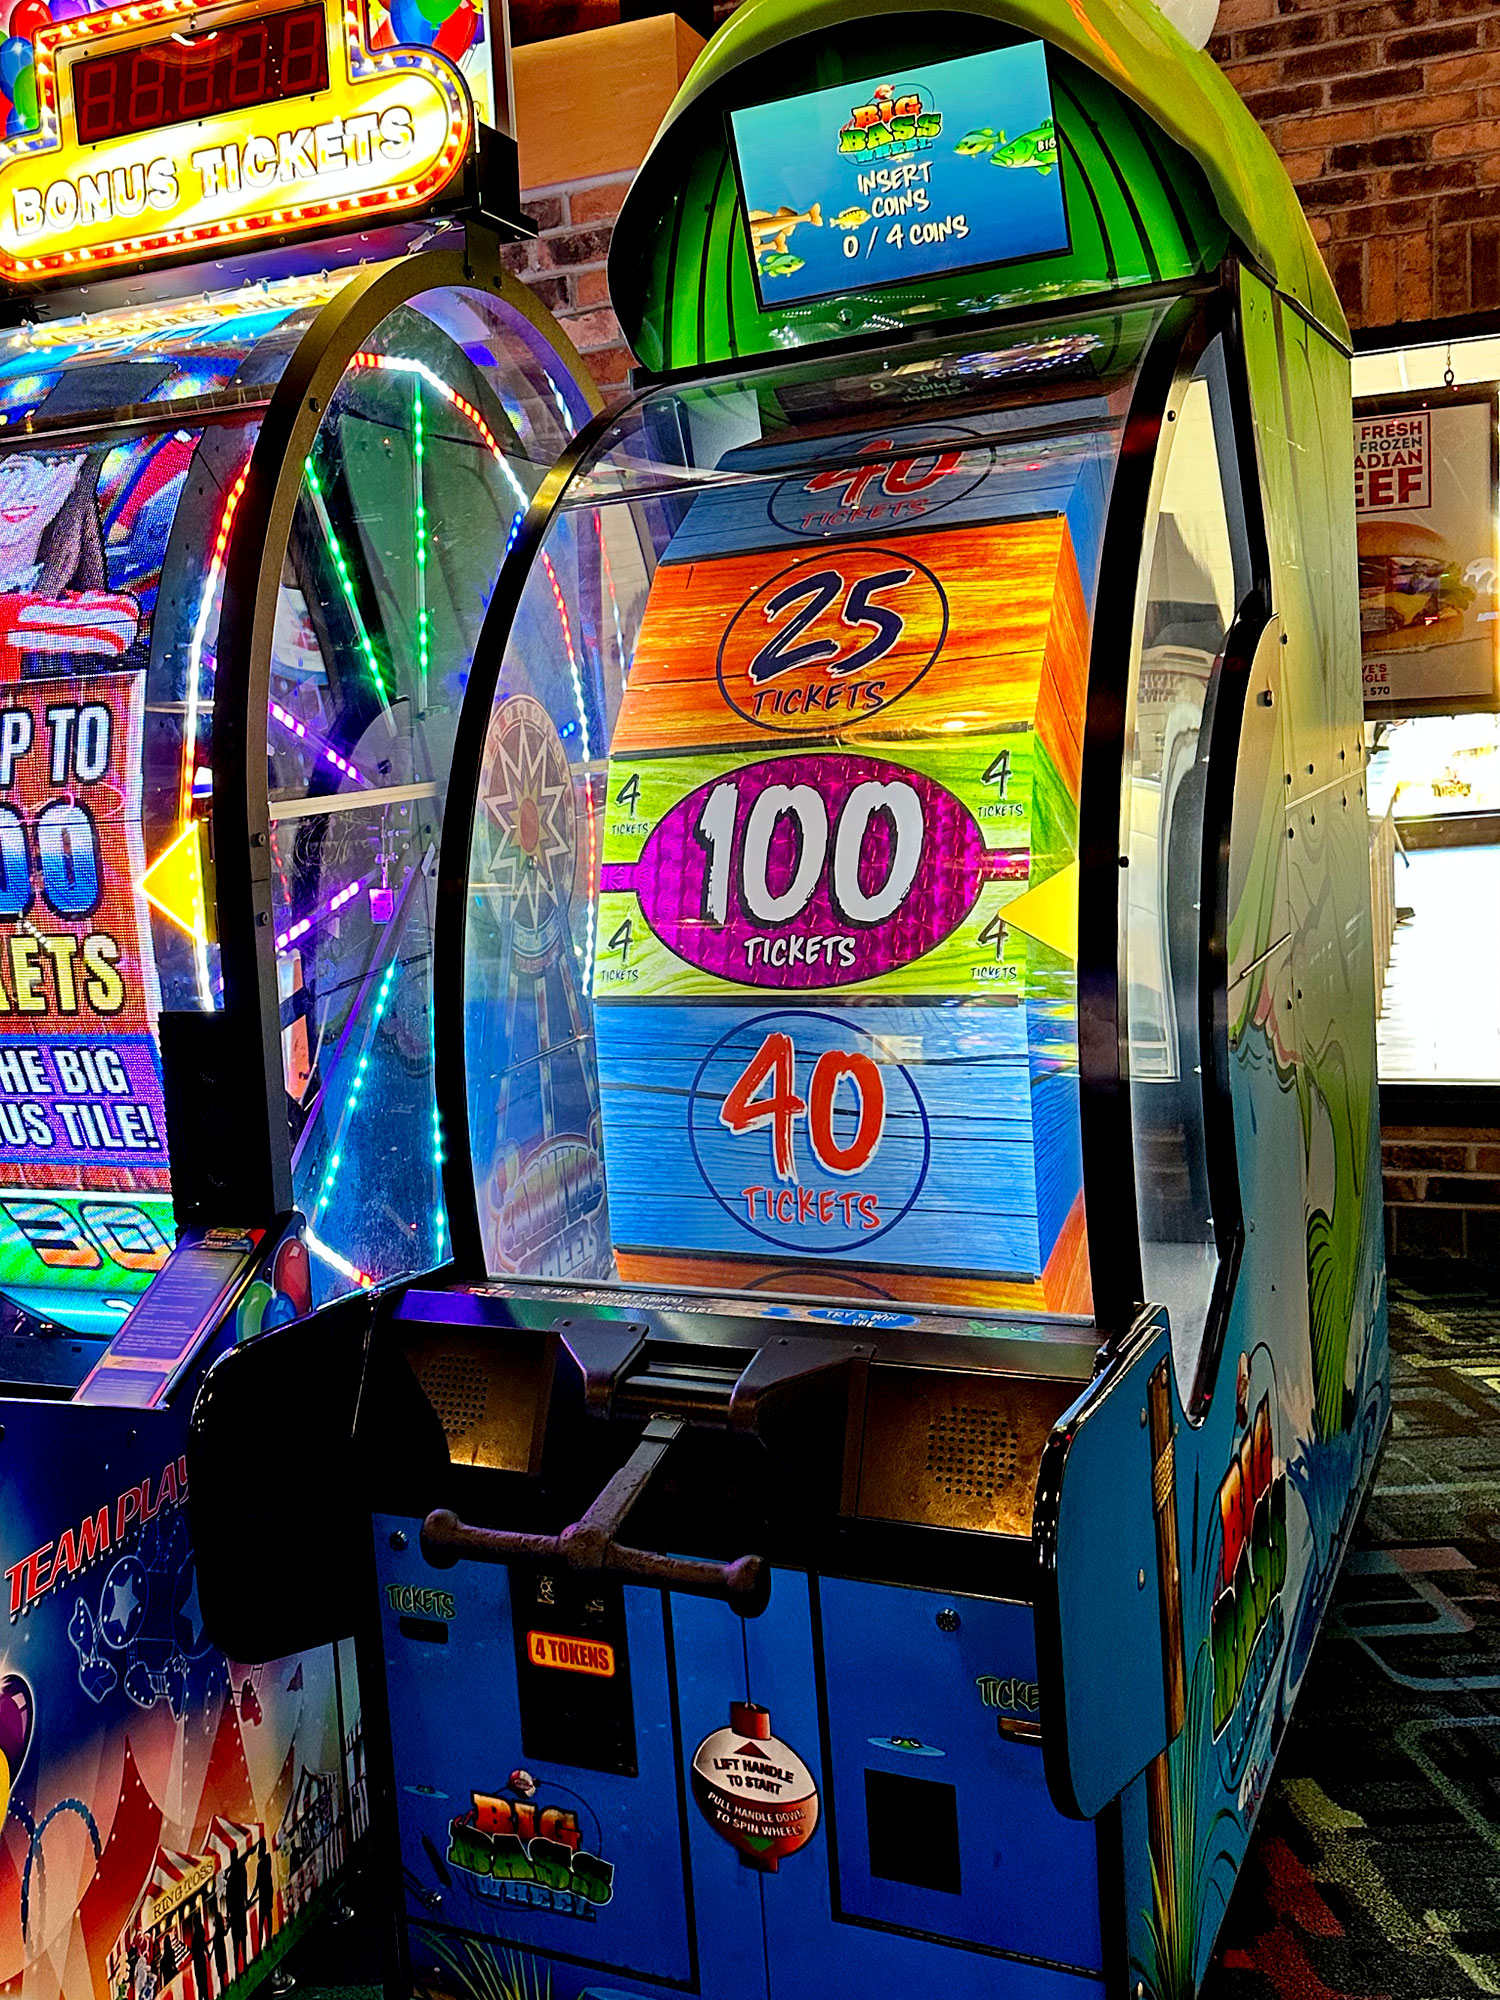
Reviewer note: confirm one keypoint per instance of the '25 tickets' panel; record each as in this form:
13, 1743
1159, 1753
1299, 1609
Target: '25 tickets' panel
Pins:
835, 981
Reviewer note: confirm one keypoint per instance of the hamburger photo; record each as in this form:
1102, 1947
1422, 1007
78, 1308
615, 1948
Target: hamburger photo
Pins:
1412, 591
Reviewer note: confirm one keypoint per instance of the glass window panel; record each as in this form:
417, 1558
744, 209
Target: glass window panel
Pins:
1194, 573
428, 454
752, 997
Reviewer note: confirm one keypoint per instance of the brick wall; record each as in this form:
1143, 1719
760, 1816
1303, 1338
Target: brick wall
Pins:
1386, 114
564, 266
1442, 1192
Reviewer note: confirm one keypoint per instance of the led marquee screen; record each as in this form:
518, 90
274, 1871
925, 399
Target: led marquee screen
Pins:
946, 167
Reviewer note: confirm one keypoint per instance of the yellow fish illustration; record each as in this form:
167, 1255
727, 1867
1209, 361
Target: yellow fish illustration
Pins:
851, 218
770, 232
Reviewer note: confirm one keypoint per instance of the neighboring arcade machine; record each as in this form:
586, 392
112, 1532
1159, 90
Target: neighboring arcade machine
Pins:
251, 514
861, 1520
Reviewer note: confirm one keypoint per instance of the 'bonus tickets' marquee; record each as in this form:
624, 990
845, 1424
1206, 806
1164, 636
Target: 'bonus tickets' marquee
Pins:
164, 126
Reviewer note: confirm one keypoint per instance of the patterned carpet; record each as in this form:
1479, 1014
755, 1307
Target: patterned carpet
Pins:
1375, 1872
1376, 1866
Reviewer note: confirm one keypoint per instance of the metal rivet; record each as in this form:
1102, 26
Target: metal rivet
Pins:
1143, 1419
948, 1619
398, 1539
1140, 1579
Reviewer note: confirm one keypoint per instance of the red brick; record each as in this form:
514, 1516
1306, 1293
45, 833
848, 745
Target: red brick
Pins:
1457, 141
610, 366
1236, 15
1253, 76
1473, 1191
1286, 102
1452, 271
572, 247
598, 204
1486, 1159
1424, 1159
591, 287
1376, 83
1380, 219
1484, 268
1466, 204
1441, 108
1404, 1187
1464, 72
592, 329
1328, 59
1304, 166
1424, 42
1398, 151
545, 210
1291, 32
1330, 129
1337, 191
1443, 179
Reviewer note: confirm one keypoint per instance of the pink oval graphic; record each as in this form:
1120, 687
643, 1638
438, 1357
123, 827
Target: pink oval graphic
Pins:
812, 871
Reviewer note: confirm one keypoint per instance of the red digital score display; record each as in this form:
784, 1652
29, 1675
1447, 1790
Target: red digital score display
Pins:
174, 81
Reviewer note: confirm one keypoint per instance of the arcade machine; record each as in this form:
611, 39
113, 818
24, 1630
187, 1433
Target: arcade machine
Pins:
270, 407
856, 1513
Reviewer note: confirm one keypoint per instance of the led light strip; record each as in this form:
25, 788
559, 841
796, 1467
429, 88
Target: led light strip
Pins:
331, 908
351, 1103
346, 582
340, 1263
325, 750
419, 452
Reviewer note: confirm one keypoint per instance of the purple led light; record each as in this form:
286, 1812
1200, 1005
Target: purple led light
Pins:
326, 751
331, 908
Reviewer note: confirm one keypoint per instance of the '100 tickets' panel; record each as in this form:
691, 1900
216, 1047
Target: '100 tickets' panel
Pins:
835, 984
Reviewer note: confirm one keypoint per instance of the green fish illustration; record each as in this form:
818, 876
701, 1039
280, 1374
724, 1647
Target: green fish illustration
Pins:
851, 218
781, 264
974, 144
1033, 149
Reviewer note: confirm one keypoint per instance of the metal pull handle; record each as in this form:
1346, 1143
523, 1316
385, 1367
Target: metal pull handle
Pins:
589, 1544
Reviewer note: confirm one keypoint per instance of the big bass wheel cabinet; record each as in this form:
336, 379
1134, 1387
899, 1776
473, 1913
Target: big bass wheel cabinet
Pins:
855, 1512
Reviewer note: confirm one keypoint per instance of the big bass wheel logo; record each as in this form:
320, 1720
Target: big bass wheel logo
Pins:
832, 639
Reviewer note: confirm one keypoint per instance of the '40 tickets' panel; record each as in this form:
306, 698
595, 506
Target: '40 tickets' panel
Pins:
835, 988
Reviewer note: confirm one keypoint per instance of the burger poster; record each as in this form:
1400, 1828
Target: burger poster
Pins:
1425, 498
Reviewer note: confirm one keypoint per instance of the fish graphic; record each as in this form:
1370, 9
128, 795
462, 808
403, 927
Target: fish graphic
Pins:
770, 232
851, 218
780, 264
983, 139
1037, 149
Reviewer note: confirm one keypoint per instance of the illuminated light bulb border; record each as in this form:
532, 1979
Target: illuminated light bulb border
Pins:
51, 39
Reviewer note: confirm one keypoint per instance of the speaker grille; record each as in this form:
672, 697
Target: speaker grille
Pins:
971, 1451
458, 1388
